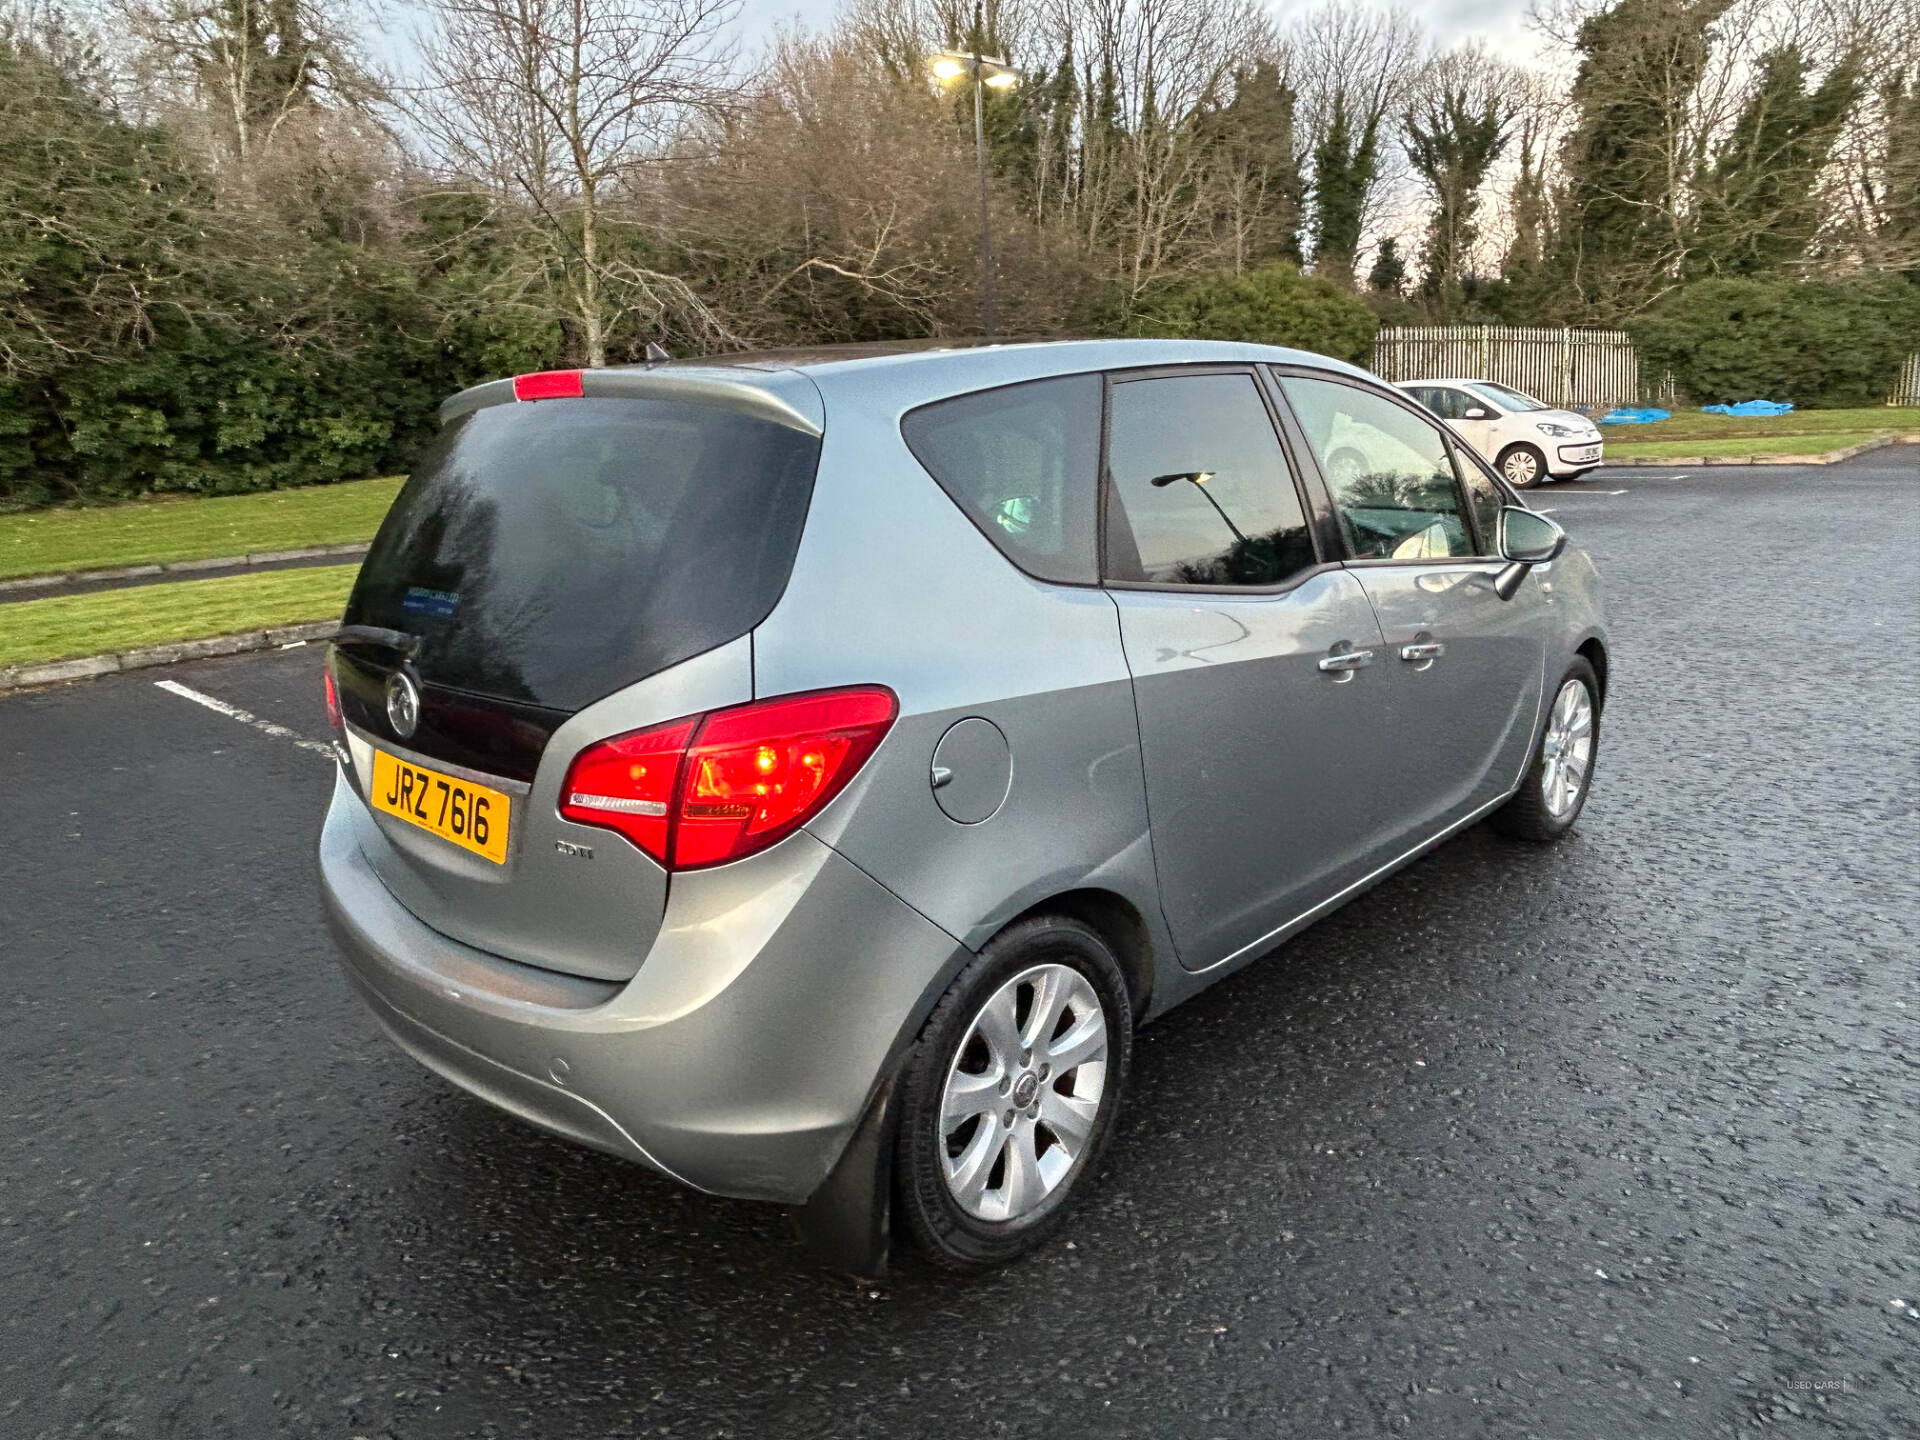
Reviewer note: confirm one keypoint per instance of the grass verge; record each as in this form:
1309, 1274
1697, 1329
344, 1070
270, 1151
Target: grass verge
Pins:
1693, 425
153, 532
65, 626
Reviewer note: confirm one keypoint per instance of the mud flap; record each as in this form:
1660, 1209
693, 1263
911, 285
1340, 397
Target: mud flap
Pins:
847, 1223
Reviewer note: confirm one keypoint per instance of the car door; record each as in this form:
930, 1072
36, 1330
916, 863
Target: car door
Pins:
1461, 671
1253, 653
1482, 435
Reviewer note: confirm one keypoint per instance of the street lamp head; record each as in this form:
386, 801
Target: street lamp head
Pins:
948, 66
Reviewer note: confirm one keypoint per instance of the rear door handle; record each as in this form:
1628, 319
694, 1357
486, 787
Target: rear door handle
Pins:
1349, 660
1428, 650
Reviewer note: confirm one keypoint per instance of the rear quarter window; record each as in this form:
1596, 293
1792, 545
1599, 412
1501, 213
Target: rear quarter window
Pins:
1022, 462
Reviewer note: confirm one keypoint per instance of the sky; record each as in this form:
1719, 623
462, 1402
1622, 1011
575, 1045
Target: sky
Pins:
1500, 23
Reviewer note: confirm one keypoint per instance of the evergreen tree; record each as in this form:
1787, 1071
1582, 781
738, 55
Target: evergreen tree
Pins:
1250, 141
1755, 204
1388, 277
1345, 166
1623, 228
1527, 208
1453, 138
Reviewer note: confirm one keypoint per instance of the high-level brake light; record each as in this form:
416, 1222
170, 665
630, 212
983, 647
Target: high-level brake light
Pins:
550, 385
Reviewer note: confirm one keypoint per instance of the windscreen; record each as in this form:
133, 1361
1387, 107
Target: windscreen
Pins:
1507, 398
554, 552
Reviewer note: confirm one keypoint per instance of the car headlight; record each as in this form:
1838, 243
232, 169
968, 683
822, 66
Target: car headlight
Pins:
1562, 432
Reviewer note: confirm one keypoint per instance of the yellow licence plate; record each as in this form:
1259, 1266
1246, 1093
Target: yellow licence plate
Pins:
472, 816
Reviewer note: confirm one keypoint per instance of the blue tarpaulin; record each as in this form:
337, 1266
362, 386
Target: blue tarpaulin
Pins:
1764, 408
1632, 417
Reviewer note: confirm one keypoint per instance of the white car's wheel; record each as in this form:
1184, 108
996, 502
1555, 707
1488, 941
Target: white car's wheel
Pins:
1522, 466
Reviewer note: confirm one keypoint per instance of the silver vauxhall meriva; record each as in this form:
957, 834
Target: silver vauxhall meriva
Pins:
801, 773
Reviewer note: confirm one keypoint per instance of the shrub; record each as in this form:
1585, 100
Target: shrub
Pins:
1272, 305
1838, 344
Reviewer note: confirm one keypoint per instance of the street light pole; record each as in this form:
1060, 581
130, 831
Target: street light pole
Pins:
986, 223
982, 71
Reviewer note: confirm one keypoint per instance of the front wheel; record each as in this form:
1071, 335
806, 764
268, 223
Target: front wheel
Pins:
1551, 797
1522, 466
1010, 1093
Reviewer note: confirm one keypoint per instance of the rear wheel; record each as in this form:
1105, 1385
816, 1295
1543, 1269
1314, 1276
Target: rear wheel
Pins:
1522, 466
1010, 1093
1551, 797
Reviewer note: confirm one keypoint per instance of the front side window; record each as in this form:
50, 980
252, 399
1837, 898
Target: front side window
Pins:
1202, 494
1023, 463
1447, 403
1390, 472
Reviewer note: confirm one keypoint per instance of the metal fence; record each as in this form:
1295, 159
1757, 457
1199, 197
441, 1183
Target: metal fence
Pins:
1906, 390
1595, 368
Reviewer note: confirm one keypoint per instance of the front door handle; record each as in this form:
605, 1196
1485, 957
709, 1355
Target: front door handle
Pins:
1427, 650
1348, 660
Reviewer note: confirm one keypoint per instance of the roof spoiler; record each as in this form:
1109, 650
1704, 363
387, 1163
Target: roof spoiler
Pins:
785, 397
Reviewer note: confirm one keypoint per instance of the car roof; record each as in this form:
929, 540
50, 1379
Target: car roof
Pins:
1450, 380
789, 385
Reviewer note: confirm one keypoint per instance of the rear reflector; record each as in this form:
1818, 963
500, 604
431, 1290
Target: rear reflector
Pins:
334, 718
713, 788
549, 385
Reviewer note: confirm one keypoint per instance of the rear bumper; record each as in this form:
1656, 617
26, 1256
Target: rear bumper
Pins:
737, 1060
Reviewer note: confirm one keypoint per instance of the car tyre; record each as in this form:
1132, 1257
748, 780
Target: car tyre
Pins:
975, 1197
1546, 805
1522, 466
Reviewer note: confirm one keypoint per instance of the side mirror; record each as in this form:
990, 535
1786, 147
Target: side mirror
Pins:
1476, 412
1527, 539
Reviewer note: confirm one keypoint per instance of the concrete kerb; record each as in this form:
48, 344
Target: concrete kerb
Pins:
184, 567
89, 667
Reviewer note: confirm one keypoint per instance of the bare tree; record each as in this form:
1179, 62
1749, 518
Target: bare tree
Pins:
1357, 66
1145, 186
838, 204
246, 68
558, 109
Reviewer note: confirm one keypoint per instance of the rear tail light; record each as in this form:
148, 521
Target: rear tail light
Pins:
627, 784
713, 788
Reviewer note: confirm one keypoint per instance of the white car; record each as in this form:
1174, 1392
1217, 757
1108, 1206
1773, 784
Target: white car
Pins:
1526, 439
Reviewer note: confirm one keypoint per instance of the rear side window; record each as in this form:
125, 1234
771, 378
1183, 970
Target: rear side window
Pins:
1022, 462
1202, 494
557, 551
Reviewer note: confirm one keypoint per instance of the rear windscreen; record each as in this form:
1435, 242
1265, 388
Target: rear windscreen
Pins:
557, 551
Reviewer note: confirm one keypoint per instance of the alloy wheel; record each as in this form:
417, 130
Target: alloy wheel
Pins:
1023, 1092
1567, 749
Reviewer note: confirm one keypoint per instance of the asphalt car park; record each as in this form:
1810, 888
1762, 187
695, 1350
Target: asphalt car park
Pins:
1611, 1138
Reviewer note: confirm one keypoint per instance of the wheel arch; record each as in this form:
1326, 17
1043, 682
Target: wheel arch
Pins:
1118, 922
1594, 650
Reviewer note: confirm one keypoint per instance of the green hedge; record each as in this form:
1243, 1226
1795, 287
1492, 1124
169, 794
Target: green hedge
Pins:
1817, 345
1272, 305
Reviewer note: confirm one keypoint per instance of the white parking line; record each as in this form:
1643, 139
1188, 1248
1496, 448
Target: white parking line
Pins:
1568, 495
245, 717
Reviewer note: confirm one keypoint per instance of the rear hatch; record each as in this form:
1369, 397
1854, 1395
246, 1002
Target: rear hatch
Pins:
542, 557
